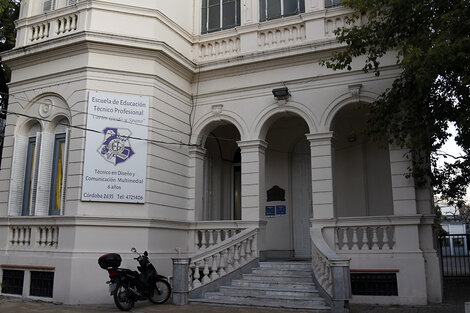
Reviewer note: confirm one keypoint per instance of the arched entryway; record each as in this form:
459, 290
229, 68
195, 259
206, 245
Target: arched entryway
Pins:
361, 170
222, 174
288, 172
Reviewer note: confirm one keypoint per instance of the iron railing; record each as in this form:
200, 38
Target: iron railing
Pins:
455, 255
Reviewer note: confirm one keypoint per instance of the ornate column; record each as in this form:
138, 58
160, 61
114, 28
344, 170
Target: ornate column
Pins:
322, 174
196, 181
253, 176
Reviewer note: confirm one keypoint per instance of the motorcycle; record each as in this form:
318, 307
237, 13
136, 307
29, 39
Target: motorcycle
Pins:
127, 286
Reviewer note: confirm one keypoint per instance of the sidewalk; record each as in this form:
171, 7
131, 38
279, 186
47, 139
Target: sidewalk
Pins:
17, 305
456, 292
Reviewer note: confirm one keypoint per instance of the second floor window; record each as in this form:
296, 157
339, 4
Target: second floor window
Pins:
48, 5
219, 14
333, 3
272, 9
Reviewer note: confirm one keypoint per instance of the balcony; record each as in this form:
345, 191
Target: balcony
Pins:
151, 29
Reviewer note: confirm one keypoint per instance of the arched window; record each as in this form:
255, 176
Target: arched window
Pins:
58, 168
31, 169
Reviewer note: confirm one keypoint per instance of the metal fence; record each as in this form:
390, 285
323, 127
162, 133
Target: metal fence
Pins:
455, 255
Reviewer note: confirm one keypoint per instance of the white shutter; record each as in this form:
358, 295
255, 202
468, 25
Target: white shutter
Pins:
48, 5
65, 165
34, 179
15, 201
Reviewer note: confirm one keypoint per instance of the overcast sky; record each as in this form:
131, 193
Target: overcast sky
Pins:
452, 148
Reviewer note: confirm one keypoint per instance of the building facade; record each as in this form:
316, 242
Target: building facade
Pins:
214, 151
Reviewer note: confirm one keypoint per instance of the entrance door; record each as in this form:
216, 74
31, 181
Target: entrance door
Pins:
301, 199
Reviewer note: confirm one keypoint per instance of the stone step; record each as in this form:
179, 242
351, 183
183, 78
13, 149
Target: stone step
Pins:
278, 278
274, 285
287, 265
281, 272
255, 292
250, 303
278, 302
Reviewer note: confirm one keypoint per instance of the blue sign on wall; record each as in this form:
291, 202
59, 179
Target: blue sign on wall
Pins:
270, 210
280, 210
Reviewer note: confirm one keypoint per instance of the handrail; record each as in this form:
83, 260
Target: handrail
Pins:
213, 263
219, 247
331, 272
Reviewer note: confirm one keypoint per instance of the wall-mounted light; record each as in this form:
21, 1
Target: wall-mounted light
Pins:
281, 93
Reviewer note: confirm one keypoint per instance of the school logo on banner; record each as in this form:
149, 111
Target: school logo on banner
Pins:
116, 147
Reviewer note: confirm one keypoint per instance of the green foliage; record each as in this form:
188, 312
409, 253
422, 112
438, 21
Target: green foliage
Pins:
9, 10
432, 42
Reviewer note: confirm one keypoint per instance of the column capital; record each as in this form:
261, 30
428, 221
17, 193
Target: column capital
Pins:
257, 143
197, 151
323, 136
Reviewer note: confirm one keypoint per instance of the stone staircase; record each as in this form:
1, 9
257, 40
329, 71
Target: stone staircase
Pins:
287, 285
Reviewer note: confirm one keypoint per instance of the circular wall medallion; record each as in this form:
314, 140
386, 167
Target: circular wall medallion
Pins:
45, 108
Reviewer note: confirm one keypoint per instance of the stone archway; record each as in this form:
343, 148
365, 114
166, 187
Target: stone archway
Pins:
362, 178
287, 167
222, 174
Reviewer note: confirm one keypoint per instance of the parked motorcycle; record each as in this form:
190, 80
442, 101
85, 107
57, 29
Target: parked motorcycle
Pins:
127, 286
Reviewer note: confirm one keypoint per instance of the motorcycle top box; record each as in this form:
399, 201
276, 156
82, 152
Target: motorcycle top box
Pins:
110, 260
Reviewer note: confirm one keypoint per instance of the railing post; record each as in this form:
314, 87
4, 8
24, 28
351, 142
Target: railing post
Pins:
341, 288
180, 280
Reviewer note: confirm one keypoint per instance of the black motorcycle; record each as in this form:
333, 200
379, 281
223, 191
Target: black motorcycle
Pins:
127, 286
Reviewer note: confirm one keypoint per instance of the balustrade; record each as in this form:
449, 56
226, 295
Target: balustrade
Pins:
207, 237
20, 236
281, 36
59, 26
335, 22
40, 31
42, 236
66, 24
219, 48
222, 258
47, 236
364, 238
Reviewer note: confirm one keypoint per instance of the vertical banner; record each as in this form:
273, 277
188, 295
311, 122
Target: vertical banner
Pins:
115, 163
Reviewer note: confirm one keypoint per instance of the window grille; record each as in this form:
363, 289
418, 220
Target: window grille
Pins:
42, 284
73, 2
219, 14
12, 282
374, 284
273, 9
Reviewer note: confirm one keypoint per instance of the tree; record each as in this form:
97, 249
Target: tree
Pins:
432, 41
9, 11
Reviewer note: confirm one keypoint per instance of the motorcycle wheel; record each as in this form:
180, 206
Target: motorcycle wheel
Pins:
121, 298
161, 293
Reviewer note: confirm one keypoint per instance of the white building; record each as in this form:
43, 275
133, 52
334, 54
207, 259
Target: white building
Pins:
218, 141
